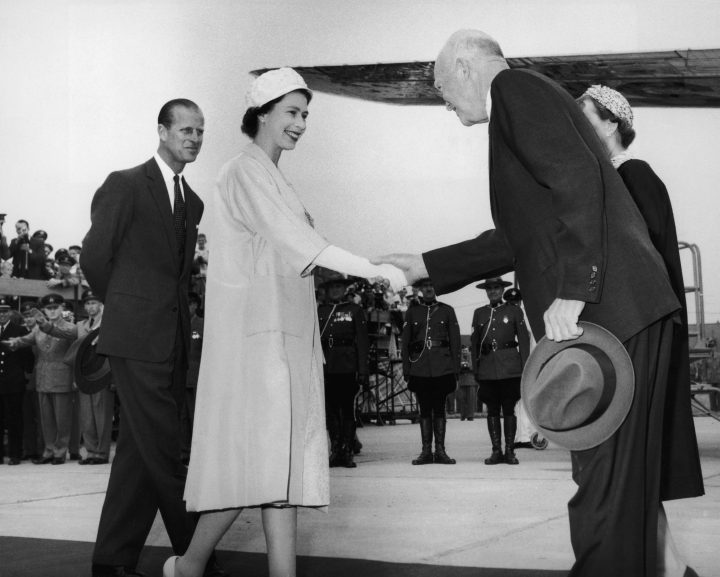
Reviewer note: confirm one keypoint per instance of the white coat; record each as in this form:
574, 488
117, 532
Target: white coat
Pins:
259, 434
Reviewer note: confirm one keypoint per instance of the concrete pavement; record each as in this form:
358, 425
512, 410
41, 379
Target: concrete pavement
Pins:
467, 514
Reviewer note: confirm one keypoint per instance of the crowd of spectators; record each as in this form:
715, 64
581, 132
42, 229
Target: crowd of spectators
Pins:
49, 434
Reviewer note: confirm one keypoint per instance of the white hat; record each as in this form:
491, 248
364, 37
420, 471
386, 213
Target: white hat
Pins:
273, 84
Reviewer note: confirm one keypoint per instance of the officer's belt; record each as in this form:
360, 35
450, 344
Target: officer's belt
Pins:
488, 348
417, 346
331, 342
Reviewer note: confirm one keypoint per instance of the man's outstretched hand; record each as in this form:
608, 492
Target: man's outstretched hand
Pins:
412, 265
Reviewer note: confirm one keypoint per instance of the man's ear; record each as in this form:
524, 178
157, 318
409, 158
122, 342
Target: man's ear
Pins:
162, 132
462, 67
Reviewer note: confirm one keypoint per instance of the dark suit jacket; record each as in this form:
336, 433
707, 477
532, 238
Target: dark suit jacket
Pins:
131, 260
565, 221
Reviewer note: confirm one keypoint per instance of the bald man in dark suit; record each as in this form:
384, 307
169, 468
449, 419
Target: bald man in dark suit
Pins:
580, 249
137, 257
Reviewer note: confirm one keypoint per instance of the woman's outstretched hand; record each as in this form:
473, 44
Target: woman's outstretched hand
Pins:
392, 274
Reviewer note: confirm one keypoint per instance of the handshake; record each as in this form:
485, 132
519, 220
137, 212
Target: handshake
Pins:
399, 269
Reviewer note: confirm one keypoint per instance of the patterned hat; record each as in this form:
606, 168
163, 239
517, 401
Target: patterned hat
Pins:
51, 299
273, 84
612, 100
4, 302
27, 306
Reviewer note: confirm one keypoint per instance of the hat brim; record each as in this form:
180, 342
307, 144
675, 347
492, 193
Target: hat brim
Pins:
282, 92
486, 285
602, 428
100, 378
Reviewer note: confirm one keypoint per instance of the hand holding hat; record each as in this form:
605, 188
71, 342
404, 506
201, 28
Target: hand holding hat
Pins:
578, 392
561, 320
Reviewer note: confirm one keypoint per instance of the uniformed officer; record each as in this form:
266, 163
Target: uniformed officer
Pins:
13, 366
431, 365
513, 296
344, 337
96, 409
52, 336
498, 330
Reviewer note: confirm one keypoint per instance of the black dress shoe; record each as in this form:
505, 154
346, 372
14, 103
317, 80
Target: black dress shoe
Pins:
75, 456
42, 461
115, 571
87, 461
58, 461
13, 461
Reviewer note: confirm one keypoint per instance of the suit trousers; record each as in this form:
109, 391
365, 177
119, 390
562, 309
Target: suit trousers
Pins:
147, 473
614, 514
56, 420
11, 418
96, 419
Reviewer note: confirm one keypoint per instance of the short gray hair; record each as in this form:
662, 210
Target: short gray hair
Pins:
473, 44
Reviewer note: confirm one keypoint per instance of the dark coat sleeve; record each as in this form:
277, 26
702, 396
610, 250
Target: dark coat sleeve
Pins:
111, 212
454, 266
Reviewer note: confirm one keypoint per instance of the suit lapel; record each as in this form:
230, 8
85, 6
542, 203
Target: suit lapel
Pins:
159, 193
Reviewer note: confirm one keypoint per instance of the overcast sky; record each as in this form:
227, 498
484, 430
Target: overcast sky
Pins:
83, 81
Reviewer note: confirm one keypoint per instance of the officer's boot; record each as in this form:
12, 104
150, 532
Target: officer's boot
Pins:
346, 453
510, 430
495, 438
333, 425
426, 432
440, 456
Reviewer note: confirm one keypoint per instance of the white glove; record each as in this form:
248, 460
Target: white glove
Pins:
338, 259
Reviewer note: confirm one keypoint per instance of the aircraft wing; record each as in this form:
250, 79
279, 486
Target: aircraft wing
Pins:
678, 78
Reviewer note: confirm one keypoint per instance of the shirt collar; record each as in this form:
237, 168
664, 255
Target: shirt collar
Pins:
169, 179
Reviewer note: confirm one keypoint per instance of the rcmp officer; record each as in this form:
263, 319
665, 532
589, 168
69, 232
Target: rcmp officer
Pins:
498, 330
431, 365
13, 366
344, 337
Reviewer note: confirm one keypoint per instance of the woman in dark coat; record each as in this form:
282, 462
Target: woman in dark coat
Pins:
680, 474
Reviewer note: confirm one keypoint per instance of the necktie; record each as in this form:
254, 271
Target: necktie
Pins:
92, 322
179, 216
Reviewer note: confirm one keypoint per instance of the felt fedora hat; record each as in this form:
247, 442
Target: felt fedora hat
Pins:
92, 371
578, 392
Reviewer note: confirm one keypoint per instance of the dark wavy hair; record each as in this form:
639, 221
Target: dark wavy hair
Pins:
166, 114
251, 122
626, 132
